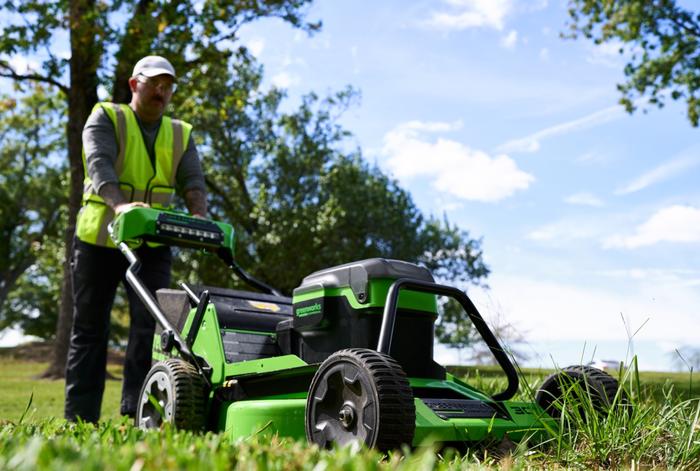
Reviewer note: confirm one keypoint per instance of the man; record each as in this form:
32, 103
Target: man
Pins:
133, 156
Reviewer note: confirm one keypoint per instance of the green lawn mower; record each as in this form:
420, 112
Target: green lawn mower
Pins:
348, 358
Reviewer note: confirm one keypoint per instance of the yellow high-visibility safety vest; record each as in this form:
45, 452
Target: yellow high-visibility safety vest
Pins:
138, 180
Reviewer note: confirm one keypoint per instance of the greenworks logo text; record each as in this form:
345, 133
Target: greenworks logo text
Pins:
308, 310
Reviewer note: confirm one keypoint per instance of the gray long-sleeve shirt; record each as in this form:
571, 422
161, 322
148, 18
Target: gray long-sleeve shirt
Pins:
101, 149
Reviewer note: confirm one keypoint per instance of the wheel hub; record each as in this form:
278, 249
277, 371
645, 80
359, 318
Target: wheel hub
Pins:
346, 415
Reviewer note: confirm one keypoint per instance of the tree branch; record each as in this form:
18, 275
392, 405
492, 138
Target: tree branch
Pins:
693, 29
11, 73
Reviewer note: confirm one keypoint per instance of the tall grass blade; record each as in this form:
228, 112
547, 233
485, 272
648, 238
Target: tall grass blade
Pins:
26, 409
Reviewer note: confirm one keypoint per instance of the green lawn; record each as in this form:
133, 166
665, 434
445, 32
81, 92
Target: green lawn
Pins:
661, 431
653, 384
18, 384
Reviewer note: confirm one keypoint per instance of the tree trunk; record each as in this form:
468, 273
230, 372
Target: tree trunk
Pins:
134, 45
86, 51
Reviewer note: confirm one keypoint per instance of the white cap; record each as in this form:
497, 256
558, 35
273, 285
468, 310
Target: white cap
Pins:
150, 66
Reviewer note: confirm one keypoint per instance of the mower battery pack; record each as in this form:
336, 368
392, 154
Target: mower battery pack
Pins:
342, 307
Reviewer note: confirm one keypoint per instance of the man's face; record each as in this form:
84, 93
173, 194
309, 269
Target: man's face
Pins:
151, 94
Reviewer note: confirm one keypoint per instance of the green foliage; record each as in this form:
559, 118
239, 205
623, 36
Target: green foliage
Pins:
193, 34
661, 39
299, 199
32, 176
203, 29
299, 196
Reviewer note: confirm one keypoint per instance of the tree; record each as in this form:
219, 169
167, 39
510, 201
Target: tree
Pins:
301, 201
31, 198
662, 40
194, 33
455, 329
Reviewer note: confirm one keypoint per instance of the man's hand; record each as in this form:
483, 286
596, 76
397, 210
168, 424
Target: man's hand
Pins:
120, 208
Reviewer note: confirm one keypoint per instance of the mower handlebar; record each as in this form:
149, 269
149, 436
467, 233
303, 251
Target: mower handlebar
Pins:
389, 319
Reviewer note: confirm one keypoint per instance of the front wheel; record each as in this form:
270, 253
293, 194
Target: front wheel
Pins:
360, 395
568, 386
173, 392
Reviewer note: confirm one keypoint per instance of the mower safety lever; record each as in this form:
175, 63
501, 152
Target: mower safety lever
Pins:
198, 317
389, 319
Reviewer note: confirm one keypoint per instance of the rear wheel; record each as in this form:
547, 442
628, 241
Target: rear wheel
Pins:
360, 395
600, 387
173, 392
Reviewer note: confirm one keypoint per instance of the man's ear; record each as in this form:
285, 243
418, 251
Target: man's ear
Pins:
132, 84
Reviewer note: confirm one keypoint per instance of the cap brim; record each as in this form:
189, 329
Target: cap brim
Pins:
152, 72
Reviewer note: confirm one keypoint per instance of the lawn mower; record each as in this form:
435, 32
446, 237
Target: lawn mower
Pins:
349, 357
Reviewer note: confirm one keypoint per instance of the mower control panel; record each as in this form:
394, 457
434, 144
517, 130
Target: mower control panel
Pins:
171, 228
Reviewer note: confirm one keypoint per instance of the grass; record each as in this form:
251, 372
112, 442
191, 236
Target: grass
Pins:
661, 430
18, 384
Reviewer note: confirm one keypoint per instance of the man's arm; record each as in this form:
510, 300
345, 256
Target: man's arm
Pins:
190, 181
100, 145
196, 201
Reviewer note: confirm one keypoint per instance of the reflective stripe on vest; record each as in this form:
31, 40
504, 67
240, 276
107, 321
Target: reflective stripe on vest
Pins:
138, 179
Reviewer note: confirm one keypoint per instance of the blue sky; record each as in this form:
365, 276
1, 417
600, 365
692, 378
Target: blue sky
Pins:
588, 215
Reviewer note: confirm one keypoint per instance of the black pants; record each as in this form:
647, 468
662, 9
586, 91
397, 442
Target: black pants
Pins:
96, 273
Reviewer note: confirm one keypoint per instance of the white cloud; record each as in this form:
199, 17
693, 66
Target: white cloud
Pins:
256, 46
531, 143
607, 54
677, 276
430, 126
687, 160
593, 158
452, 167
584, 199
510, 40
544, 54
22, 65
576, 311
566, 230
464, 14
285, 80
289, 60
672, 224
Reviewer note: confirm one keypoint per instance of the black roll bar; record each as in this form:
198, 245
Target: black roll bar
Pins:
389, 319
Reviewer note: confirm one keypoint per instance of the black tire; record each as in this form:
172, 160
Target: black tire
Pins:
173, 392
360, 395
599, 385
